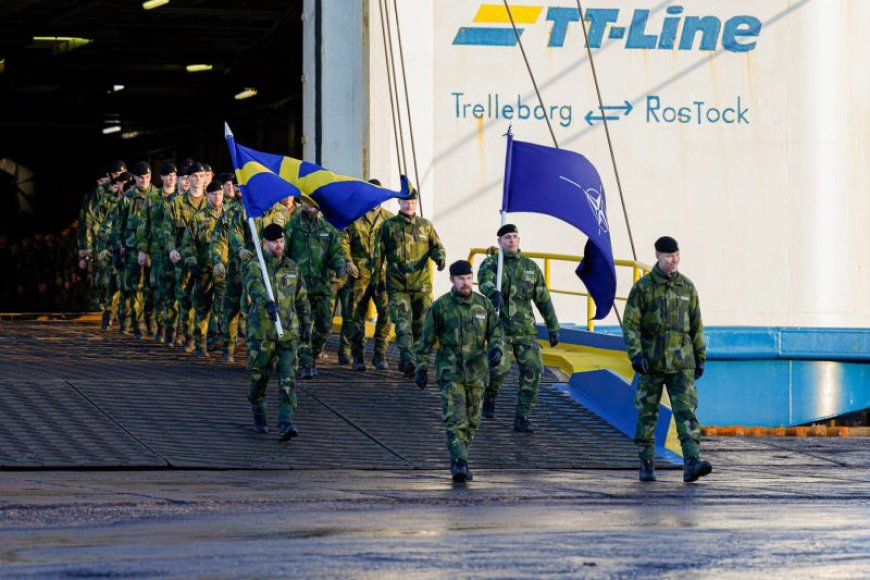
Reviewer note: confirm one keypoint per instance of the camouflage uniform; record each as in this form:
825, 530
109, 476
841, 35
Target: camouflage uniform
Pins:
360, 240
264, 346
521, 284
195, 250
101, 204
466, 329
662, 320
109, 260
178, 215
315, 246
150, 240
407, 243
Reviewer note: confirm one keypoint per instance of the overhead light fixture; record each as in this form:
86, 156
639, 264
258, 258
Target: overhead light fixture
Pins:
129, 134
198, 67
152, 4
116, 88
246, 94
62, 43
111, 129
2, 65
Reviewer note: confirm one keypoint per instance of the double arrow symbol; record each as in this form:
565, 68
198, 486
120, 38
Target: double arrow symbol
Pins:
626, 109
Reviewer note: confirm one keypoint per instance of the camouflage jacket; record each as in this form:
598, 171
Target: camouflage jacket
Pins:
407, 244
238, 232
315, 246
107, 236
89, 200
290, 296
197, 239
467, 329
521, 284
149, 235
101, 204
662, 319
359, 241
177, 216
133, 211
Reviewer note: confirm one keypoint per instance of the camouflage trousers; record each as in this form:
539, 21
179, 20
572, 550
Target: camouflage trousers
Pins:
527, 352
684, 401
133, 291
163, 292
363, 295
216, 320
183, 287
231, 306
321, 317
106, 279
460, 410
345, 301
263, 355
407, 310
201, 298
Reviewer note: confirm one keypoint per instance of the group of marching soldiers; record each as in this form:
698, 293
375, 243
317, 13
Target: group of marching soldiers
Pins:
177, 263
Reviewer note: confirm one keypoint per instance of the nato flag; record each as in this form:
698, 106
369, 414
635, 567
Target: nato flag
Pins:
565, 185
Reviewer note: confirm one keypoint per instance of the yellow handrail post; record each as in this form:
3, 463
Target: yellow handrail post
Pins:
547, 272
590, 313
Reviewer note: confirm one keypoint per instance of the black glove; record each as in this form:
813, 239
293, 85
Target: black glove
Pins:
421, 377
494, 357
699, 368
382, 286
496, 299
272, 309
441, 264
305, 333
341, 271
640, 364
195, 271
554, 337
400, 267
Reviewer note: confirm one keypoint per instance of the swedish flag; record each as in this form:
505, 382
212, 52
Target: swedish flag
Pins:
266, 178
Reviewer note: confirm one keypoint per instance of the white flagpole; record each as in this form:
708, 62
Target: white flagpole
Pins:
263, 270
500, 258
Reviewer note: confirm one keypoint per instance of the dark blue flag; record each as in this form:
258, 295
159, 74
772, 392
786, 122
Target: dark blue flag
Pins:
565, 185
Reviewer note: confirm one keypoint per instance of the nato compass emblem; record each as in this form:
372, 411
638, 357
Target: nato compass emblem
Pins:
597, 205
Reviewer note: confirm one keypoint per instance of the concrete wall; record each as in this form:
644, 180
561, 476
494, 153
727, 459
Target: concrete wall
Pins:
770, 209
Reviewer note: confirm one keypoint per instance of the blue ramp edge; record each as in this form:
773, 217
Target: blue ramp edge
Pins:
608, 394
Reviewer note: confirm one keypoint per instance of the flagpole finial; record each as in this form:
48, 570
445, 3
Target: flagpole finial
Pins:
227, 131
509, 132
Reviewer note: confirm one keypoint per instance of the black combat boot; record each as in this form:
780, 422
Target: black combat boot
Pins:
137, 332
107, 320
307, 371
458, 470
169, 339
647, 470
359, 364
379, 362
694, 467
468, 475
523, 425
260, 424
343, 358
287, 431
488, 405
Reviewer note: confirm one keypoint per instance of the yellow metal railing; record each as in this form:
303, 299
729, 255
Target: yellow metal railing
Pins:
638, 270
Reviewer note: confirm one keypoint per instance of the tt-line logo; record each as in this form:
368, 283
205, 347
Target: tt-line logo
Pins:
677, 31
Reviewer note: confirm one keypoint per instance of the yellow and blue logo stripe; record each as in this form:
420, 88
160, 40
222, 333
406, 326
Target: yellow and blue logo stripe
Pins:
496, 35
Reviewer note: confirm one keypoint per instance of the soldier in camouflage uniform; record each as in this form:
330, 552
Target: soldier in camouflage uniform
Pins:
150, 241
664, 338
265, 349
109, 260
315, 246
89, 232
521, 284
133, 211
367, 286
466, 326
178, 216
406, 243
91, 201
195, 251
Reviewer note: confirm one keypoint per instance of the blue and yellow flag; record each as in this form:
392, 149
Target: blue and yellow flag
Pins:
266, 178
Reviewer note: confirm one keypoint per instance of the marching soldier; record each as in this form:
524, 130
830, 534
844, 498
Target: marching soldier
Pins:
315, 246
265, 349
521, 284
406, 243
466, 326
664, 338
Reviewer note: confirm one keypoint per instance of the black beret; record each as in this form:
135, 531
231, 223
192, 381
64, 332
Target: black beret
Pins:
101, 174
375, 182
117, 166
141, 168
273, 232
168, 168
667, 245
460, 268
184, 171
507, 229
207, 167
214, 186
195, 167
186, 162
123, 177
